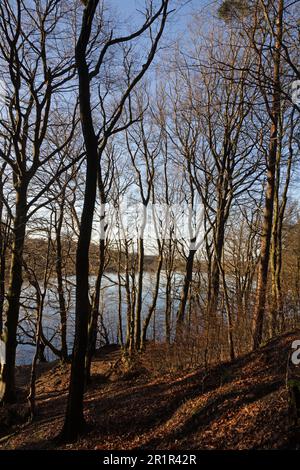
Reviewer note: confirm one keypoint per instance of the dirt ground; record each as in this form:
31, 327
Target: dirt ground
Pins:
238, 405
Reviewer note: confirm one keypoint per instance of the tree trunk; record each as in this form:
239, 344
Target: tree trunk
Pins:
92, 329
7, 382
2, 258
60, 287
263, 268
2, 286
168, 310
229, 316
32, 387
277, 316
216, 262
130, 306
139, 300
276, 247
185, 291
74, 417
74, 420
120, 309
2, 277
154, 302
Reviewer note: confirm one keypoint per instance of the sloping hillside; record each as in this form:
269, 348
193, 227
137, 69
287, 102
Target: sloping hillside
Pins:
239, 405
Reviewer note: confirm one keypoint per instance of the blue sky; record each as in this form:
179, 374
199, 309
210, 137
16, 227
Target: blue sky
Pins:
128, 7
180, 20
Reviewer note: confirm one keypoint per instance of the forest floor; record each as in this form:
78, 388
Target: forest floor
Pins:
237, 405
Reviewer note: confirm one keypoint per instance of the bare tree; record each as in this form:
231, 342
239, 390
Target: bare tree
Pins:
95, 143
34, 82
274, 110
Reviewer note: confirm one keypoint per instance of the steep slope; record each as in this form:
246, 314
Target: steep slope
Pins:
238, 405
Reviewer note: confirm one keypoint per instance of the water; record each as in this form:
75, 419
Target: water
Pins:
109, 306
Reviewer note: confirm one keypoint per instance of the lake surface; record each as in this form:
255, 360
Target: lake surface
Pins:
109, 306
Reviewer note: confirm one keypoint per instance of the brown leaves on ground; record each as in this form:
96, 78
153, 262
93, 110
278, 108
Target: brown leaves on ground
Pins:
238, 405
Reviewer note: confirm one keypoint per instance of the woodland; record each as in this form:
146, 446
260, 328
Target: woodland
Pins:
149, 224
